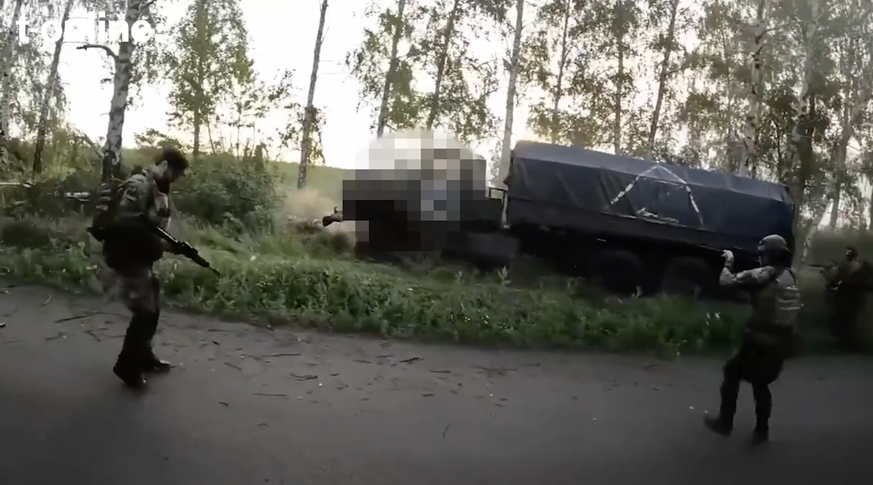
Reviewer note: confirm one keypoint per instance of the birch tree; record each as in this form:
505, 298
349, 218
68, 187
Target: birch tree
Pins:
8, 60
513, 67
126, 75
51, 85
801, 156
310, 113
674, 59
210, 57
462, 82
617, 23
753, 114
558, 62
385, 73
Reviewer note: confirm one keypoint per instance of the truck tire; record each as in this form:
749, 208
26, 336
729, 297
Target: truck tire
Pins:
619, 270
487, 250
687, 276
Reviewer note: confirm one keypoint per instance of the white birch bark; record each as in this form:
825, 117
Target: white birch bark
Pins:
309, 114
509, 119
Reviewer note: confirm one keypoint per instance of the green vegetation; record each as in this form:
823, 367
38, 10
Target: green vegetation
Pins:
235, 213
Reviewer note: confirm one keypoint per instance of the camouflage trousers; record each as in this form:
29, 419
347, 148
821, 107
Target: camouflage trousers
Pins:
759, 365
139, 290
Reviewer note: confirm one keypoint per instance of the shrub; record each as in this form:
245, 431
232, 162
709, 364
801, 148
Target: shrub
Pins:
223, 191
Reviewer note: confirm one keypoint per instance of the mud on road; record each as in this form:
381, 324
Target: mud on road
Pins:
248, 405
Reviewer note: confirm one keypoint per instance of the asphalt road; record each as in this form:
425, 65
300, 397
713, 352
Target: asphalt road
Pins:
252, 406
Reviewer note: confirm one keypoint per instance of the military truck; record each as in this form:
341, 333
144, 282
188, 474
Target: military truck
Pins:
629, 224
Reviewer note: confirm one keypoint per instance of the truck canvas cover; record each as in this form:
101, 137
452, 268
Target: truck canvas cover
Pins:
572, 187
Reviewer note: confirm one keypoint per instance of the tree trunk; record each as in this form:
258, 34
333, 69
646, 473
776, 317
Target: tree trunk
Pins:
309, 113
209, 137
750, 131
441, 64
835, 208
559, 82
847, 131
42, 126
807, 241
797, 173
120, 89
392, 70
619, 95
198, 115
506, 148
870, 208
662, 78
198, 122
6, 95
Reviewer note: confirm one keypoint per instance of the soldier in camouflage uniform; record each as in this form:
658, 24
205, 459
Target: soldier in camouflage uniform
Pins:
767, 338
847, 287
131, 248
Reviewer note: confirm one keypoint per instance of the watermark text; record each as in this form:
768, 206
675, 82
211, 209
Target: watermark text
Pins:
90, 29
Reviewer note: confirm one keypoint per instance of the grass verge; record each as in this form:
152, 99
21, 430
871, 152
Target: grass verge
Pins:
286, 277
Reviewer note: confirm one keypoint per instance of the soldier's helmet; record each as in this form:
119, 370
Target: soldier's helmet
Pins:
773, 245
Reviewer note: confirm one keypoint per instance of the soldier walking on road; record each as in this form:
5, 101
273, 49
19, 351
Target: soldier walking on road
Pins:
130, 247
768, 335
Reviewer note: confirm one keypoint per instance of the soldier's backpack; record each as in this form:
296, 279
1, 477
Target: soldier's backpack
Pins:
108, 199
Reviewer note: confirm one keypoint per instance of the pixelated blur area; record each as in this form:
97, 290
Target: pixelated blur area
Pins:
415, 190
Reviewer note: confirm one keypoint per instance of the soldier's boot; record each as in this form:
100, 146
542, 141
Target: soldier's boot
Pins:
151, 363
719, 425
723, 424
763, 406
148, 361
128, 367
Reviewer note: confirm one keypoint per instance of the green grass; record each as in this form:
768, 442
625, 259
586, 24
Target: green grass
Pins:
281, 277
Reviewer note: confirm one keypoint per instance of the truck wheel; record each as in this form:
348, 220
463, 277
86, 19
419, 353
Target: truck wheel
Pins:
687, 276
619, 270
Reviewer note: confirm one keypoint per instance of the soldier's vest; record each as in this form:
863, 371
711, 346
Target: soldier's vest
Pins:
776, 305
126, 244
108, 200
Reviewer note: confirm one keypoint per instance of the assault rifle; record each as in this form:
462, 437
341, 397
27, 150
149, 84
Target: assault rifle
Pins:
184, 249
180, 247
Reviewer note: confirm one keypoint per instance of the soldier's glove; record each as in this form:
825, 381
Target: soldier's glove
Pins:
728, 256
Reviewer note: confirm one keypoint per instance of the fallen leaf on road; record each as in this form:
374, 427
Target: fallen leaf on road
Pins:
427, 394
2, 324
234, 366
269, 394
223, 403
286, 354
436, 371
305, 377
410, 360
446, 430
